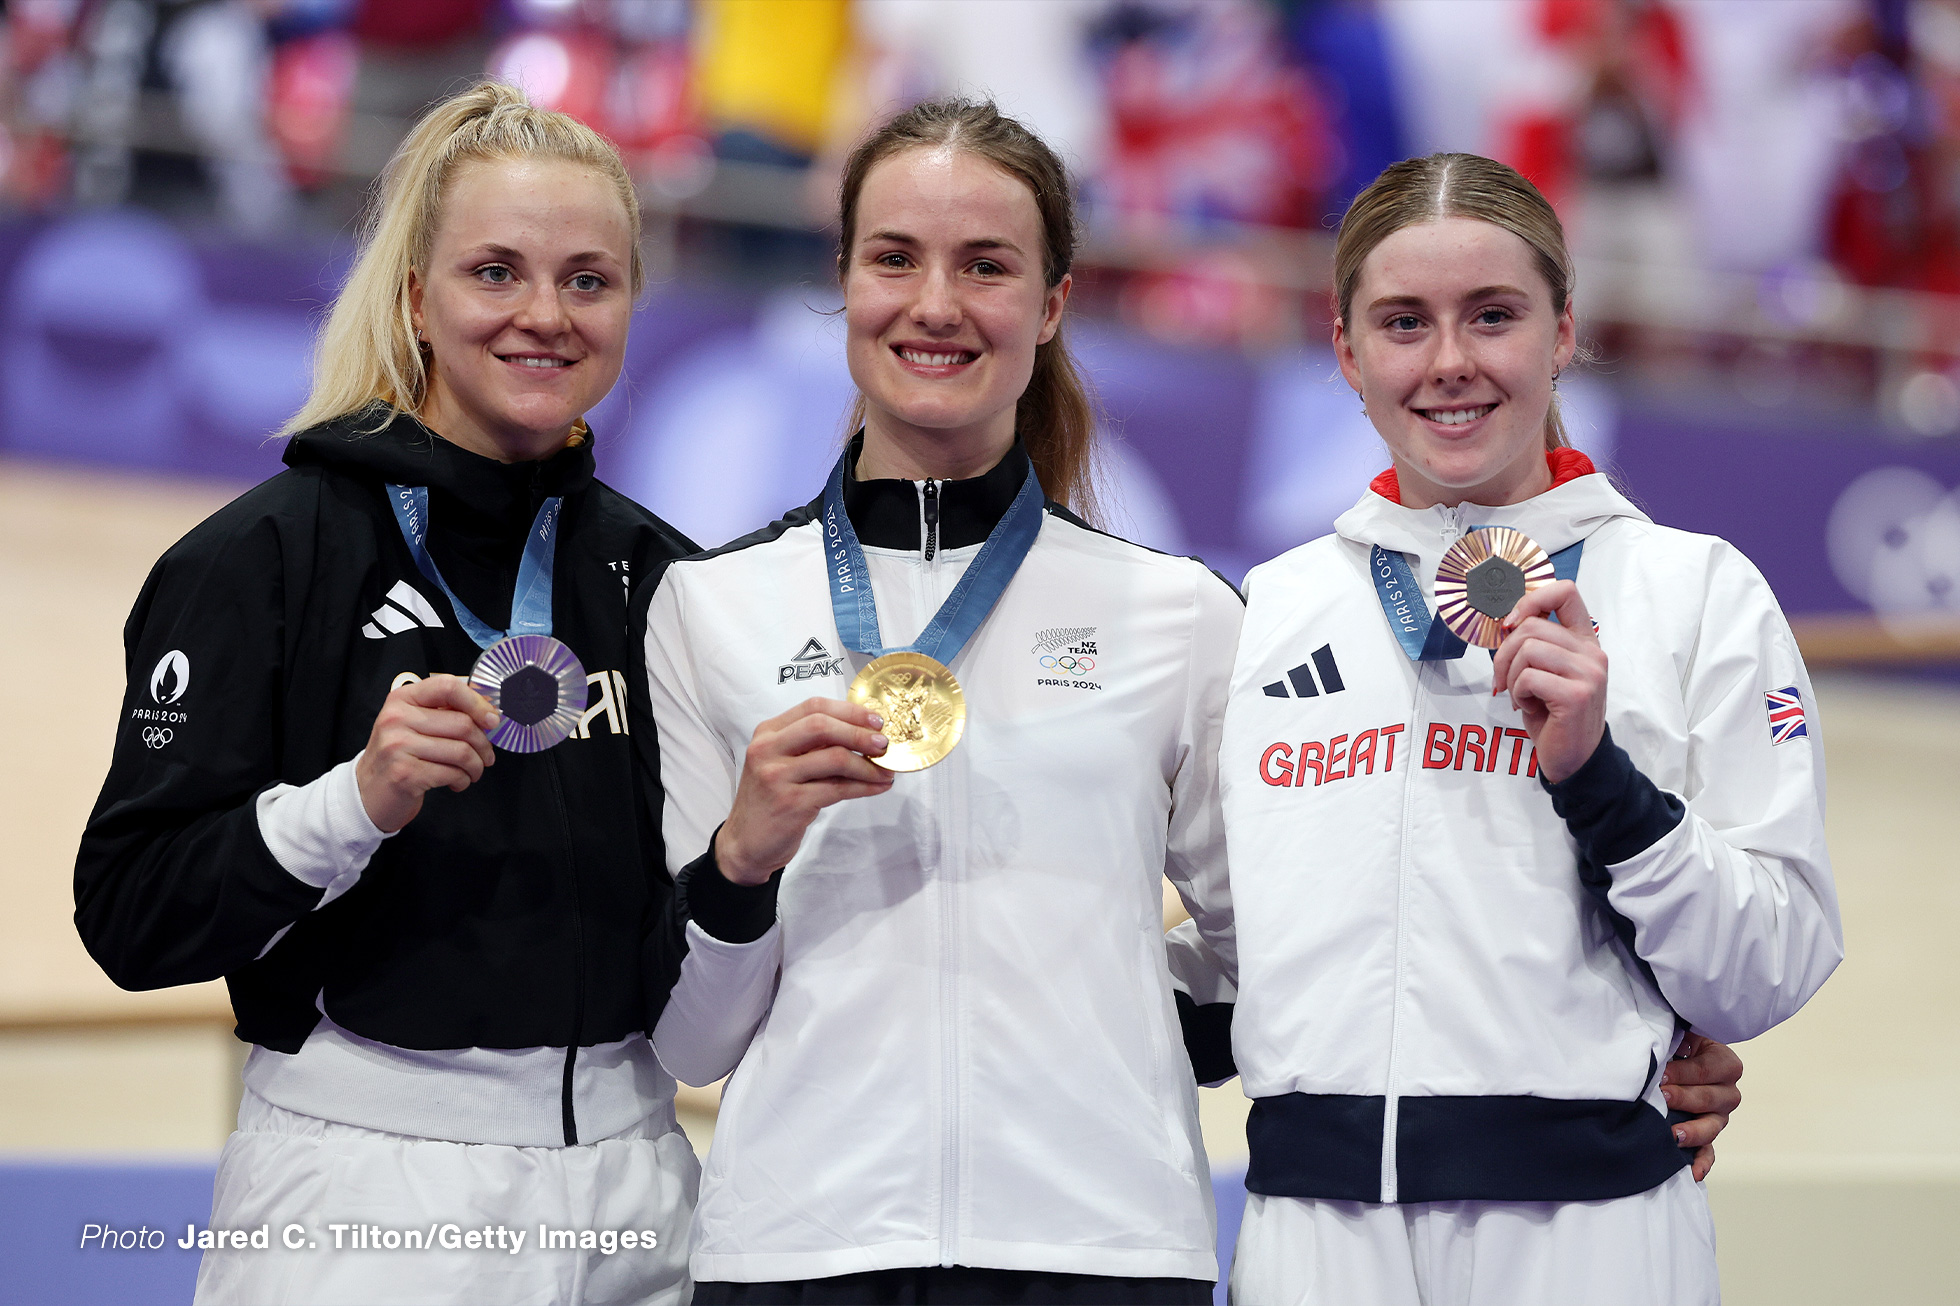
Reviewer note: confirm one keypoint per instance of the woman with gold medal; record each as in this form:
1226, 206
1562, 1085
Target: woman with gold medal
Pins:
939, 857
1486, 890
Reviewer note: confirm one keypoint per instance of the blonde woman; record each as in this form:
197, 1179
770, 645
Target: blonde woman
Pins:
1483, 897
433, 946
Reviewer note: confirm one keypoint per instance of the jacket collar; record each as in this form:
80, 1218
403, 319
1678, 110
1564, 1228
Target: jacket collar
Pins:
405, 452
1579, 503
885, 513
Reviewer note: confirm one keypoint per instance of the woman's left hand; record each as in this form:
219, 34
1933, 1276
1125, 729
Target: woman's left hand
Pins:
1556, 674
1704, 1078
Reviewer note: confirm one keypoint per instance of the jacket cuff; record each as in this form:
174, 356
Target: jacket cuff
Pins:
1207, 1033
731, 912
1611, 807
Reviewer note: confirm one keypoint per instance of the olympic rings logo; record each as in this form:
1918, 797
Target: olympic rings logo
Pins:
157, 736
1069, 662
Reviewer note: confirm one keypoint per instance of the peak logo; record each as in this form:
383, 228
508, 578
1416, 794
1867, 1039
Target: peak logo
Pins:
171, 678
812, 662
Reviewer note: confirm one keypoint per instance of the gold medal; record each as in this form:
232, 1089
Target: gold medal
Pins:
921, 702
1482, 578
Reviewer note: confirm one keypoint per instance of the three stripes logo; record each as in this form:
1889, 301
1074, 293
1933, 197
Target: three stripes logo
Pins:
1301, 678
405, 610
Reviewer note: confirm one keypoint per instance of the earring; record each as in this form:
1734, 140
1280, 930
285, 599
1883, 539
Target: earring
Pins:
1555, 372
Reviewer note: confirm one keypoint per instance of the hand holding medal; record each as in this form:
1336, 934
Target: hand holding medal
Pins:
1554, 670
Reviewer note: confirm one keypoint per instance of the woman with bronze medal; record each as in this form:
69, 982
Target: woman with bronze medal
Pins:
1488, 894
930, 746
399, 811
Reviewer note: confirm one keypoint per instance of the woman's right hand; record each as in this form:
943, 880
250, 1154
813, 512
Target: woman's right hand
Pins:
429, 733
799, 763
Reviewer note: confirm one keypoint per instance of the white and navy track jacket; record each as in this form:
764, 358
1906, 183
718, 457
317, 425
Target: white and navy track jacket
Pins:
973, 1053
1455, 980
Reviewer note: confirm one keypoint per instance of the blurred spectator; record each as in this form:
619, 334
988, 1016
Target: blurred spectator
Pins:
766, 72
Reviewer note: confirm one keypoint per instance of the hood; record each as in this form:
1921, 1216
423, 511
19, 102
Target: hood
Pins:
1580, 501
405, 452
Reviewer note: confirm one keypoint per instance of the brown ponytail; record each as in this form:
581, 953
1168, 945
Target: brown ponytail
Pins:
1055, 418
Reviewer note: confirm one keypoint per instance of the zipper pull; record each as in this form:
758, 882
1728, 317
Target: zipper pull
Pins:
929, 502
1452, 525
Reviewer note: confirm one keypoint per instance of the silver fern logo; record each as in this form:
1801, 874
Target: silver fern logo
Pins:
1047, 641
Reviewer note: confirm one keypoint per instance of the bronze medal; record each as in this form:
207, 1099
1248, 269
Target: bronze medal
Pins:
921, 702
1482, 578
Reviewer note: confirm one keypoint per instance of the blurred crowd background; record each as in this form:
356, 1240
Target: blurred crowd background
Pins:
1763, 196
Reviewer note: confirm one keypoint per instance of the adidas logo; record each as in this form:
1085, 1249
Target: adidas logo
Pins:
1301, 677
409, 611
812, 662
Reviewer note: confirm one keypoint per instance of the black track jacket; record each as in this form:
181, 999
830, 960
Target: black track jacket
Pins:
514, 914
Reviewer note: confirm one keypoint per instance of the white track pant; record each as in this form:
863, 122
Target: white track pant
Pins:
282, 1169
1655, 1248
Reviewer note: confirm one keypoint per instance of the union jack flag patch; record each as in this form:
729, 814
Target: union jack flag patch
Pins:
1786, 719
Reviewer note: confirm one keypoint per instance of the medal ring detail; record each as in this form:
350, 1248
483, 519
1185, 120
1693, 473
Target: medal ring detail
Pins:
1482, 578
921, 702
538, 685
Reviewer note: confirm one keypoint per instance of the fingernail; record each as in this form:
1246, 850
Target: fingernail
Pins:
1665, 1081
877, 722
1681, 1137
492, 720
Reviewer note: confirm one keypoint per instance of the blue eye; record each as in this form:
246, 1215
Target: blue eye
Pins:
1492, 316
496, 274
1404, 322
588, 282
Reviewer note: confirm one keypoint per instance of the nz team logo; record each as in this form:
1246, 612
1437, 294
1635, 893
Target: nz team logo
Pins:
812, 662
1066, 656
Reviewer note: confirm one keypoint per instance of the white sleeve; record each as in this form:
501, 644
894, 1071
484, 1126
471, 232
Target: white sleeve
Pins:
1203, 952
725, 988
724, 991
320, 833
1733, 907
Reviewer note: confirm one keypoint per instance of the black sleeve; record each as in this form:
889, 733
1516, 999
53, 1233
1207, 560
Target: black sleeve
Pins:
1207, 1037
173, 883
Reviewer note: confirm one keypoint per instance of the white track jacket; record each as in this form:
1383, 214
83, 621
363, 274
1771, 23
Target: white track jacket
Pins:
1455, 983
972, 1056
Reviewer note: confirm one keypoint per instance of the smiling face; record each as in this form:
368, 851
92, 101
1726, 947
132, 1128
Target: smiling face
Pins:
1452, 339
524, 304
945, 302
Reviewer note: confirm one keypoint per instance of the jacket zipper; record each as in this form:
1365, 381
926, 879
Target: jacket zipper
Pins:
949, 933
1391, 1098
929, 512
565, 1103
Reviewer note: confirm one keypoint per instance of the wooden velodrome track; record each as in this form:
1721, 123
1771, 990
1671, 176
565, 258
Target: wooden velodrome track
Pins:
1839, 1181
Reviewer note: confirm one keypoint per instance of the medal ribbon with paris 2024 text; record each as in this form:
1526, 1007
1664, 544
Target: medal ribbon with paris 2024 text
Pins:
530, 603
1423, 637
855, 608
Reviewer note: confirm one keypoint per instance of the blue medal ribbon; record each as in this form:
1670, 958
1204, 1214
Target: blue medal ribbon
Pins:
530, 605
1427, 638
856, 609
